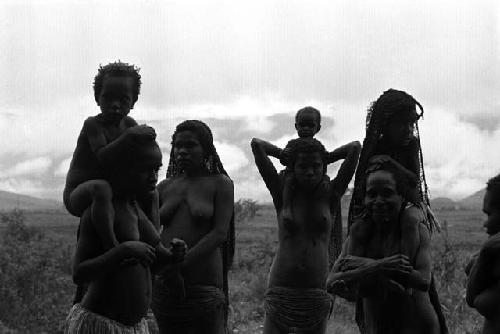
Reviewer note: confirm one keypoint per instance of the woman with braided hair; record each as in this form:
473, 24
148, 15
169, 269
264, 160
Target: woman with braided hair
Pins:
296, 299
392, 136
196, 202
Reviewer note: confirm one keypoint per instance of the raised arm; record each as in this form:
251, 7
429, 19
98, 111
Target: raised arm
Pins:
350, 154
261, 151
224, 207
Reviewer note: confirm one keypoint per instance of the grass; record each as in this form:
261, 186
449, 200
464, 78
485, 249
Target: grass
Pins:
36, 288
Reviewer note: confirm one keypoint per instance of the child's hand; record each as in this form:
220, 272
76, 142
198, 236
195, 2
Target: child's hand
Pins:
142, 132
139, 250
178, 248
285, 157
381, 159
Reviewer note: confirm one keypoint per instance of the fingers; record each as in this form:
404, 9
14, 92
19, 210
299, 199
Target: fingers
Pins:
395, 286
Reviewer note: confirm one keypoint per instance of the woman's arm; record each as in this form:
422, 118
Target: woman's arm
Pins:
350, 154
224, 207
89, 264
261, 151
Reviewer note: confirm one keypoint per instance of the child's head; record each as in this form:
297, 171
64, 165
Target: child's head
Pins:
116, 89
491, 205
307, 122
396, 114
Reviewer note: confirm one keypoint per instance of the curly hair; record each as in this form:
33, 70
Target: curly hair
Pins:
308, 110
304, 145
118, 68
493, 186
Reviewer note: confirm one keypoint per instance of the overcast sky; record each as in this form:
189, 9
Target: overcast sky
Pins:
245, 68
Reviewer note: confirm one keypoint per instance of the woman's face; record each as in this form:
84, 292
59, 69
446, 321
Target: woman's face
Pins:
188, 151
399, 129
382, 199
308, 170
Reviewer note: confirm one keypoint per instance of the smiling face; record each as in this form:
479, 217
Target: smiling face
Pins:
188, 151
382, 199
492, 211
116, 98
308, 169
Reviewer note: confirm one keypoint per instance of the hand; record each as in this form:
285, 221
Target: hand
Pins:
139, 250
285, 157
142, 132
396, 264
380, 159
178, 248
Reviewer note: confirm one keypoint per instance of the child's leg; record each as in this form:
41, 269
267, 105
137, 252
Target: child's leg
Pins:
288, 197
98, 195
411, 217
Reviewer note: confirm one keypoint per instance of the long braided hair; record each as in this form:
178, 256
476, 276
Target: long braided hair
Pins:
390, 104
214, 166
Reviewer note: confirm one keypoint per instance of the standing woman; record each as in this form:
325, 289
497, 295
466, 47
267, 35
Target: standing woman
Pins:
296, 299
196, 202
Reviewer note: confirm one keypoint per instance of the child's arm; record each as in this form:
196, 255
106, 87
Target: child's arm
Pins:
420, 277
358, 235
108, 152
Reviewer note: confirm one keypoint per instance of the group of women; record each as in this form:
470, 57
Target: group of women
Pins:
384, 264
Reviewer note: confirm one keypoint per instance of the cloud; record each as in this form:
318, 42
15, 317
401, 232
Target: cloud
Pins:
32, 167
232, 157
63, 167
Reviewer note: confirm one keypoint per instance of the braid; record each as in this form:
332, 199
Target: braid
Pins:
391, 103
214, 167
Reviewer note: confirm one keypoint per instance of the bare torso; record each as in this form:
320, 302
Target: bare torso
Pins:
386, 309
123, 295
302, 256
187, 212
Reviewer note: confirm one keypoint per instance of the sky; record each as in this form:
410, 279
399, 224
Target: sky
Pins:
245, 68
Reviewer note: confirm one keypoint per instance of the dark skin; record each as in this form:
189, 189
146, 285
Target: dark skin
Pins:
382, 274
301, 260
398, 147
102, 140
197, 207
483, 288
120, 278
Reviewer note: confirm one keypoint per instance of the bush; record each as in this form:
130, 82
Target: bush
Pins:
245, 209
35, 277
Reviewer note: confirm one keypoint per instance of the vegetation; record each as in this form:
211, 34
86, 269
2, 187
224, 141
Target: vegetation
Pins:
36, 288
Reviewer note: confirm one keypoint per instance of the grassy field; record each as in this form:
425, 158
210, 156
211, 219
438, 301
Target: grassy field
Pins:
36, 288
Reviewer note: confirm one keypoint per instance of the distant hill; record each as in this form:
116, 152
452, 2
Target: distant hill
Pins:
443, 203
10, 201
474, 201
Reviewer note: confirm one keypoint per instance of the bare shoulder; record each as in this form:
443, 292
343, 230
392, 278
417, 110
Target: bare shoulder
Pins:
223, 181
129, 121
412, 216
91, 122
359, 231
164, 185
